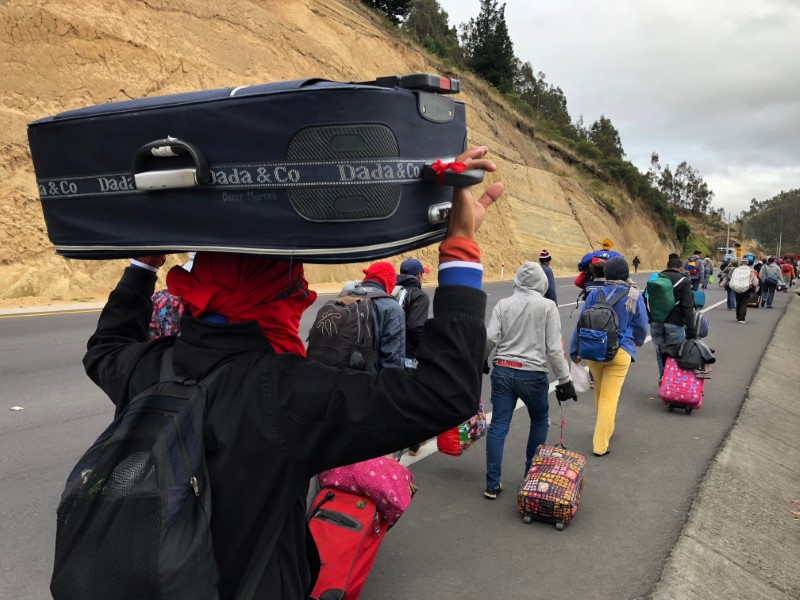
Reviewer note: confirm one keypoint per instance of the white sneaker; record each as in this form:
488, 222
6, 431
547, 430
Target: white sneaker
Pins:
743, 322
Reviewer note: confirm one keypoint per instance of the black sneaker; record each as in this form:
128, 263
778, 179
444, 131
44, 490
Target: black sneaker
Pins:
492, 494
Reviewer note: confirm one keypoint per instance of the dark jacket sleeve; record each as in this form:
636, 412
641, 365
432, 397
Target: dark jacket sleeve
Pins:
121, 336
418, 310
686, 304
338, 417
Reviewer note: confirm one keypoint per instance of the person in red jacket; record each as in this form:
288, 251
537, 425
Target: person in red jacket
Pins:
276, 418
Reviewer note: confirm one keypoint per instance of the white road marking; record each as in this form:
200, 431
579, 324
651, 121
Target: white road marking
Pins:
430, 447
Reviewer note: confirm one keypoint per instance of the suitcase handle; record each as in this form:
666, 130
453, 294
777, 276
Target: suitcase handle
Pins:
463, 179
170, 147
424, 82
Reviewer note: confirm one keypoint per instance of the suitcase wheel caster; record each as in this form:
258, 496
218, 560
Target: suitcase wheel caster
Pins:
688, 410
670, 408
527, 519
560, 526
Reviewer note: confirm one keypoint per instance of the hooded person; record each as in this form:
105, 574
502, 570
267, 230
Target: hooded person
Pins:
609, 375
523, 336
272, 417
387, 317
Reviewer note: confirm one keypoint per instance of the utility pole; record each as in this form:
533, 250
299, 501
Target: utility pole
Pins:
728, 242
780, 239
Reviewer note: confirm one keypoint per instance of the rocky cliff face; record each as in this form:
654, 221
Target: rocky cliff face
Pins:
63, 54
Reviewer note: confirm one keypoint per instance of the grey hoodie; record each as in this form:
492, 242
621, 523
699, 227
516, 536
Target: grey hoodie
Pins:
526, 327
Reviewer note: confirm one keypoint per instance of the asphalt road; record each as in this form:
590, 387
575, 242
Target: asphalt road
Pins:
451, 542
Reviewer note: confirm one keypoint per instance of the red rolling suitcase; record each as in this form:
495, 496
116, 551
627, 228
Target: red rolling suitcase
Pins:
348, 531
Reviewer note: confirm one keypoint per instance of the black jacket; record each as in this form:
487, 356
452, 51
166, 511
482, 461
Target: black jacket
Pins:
275, 420
417, 309
683, 313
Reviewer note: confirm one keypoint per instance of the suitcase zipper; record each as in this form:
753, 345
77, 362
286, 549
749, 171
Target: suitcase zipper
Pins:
271, 251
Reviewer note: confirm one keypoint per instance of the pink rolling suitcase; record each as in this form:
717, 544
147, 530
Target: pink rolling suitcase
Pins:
681, 388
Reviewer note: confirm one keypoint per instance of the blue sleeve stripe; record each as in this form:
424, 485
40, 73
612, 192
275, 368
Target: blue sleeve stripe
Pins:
461, 273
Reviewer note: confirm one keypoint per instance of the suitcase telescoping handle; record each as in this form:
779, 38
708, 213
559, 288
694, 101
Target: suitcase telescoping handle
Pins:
424, 82
170, 147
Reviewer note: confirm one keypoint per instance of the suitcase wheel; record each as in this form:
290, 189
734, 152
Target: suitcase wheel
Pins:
671, 407
688, 410
560, 526
527, 519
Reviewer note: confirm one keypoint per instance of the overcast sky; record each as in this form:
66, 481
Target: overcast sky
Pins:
712, 82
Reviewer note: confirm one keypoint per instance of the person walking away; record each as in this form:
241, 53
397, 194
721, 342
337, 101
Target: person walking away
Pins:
724, 282
275, 418
694, 269
788, 273
387, 317
636, 262
544, 261
708, 270
743, 281
524, 334
416, 305
670, 304
769, 277
609, 375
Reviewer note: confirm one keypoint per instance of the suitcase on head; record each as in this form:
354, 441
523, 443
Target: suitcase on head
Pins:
312, 170
552, 489
681, 388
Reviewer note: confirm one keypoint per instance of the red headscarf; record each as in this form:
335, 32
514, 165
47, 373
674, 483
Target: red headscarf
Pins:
241, 288
383, 273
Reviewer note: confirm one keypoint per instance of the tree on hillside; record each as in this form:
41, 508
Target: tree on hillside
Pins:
548, 102
395, 10
428, 22
605, 136
488, 46
684, 187
775, 219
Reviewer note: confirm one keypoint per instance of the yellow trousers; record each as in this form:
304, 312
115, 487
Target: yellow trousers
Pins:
608, 380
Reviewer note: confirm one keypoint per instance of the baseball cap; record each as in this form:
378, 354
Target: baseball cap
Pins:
411, 266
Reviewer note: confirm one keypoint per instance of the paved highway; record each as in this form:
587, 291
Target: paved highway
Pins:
451, 542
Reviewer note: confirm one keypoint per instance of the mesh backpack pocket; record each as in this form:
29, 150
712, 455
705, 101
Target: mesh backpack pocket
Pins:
134, 519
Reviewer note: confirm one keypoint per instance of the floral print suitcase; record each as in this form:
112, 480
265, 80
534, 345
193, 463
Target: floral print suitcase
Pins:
552, 489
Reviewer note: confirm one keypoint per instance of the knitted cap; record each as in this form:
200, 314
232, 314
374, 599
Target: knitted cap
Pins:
617, 269
544, 255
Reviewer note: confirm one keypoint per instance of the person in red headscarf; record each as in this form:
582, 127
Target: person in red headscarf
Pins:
387, 316
275, 418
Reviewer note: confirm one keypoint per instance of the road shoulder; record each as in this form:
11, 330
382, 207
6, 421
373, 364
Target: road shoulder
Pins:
741, 539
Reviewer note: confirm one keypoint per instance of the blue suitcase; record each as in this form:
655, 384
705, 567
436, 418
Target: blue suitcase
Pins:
312, 170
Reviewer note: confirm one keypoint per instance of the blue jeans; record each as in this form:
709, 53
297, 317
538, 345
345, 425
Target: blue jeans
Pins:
768, 293
665, 334
508, 385
731, 299
705, 280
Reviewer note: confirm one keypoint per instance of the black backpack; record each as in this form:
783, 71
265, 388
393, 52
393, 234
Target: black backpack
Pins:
341, 335
598, 330
133, 521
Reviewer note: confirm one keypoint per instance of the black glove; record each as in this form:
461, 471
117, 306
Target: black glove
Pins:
565, 391
486, 368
